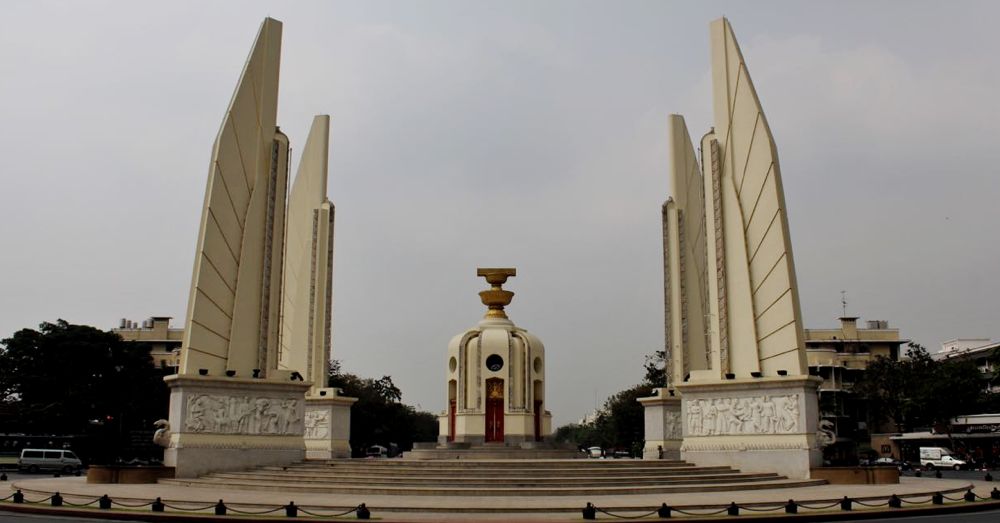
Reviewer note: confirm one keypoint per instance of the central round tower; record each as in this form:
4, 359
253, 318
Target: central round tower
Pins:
496, 377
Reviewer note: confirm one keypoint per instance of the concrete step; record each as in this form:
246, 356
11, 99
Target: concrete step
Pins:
532, 473
487, 481
467, 475
498, 491
492, 478
497, 463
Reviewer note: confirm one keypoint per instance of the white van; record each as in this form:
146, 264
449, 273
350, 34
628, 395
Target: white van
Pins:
939, 457
33, 460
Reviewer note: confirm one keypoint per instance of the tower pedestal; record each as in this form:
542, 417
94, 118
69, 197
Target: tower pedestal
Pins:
220, 424
664, 434
328, 424
754, 425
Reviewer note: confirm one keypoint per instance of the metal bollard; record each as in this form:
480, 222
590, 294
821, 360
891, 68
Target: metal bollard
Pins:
995, 494
18, 496
937, 499
291, 510
918, 474
733, 510
3, 476
970, 495
220, 508
937, 474
57, 500
895, 502
987, 477
663, 511
157, 505
791, 507
362, 512
845, 504
589, 512
104, 502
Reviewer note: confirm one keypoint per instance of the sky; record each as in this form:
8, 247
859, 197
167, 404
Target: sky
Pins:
512, 134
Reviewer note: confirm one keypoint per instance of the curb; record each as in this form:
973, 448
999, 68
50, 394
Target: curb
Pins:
957, 508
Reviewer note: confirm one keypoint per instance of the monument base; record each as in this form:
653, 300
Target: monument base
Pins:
518, 429
328, 424
663, 433
222, 424
754, 425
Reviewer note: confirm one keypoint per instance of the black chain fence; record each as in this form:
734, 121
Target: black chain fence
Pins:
791, 507
361, 511
105, 502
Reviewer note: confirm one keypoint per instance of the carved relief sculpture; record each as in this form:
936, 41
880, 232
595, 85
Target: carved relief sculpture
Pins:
217, 414
743, 416
317, 424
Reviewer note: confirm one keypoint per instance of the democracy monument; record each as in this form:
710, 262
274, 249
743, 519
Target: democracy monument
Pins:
253, 430
250, 390
739, 391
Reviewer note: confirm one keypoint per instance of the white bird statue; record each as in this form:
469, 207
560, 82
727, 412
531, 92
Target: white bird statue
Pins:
162, 435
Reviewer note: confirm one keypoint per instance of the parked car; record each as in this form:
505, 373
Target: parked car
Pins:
34, 460
595, 452
377, 451
887, 461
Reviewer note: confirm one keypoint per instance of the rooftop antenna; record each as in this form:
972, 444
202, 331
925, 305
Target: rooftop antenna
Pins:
843, 302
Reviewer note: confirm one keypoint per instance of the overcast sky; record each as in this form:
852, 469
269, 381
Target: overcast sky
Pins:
531, 135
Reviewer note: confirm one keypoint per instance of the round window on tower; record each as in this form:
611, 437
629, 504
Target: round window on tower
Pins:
494, 362
452, 364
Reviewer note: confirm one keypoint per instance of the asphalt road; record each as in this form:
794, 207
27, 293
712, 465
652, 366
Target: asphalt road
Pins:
14, 476
972, 517
12, 517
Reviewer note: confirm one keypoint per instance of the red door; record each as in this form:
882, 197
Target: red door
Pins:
451, 420
538, 420
494, 410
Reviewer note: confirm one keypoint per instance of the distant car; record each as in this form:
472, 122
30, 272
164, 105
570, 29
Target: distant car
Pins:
377, 451
595, 452
939, 457
621, 454
886, 461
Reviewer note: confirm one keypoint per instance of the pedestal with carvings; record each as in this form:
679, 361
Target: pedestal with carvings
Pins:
222, 423
328, 424
663, 434
755, 425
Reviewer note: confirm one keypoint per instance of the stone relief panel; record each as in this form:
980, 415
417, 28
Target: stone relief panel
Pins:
218, 414
317, 424
672, 425
749, 415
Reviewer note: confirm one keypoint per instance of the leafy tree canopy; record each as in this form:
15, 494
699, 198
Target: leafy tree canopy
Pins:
620, 422
920, 392
379, 417
68, 379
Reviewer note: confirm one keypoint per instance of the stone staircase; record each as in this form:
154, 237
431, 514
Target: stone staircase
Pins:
542, 477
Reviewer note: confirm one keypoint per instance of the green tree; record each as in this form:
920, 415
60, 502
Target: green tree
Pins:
622, 421
655, 366
918, 391
379, 417
70, 379
580, 434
